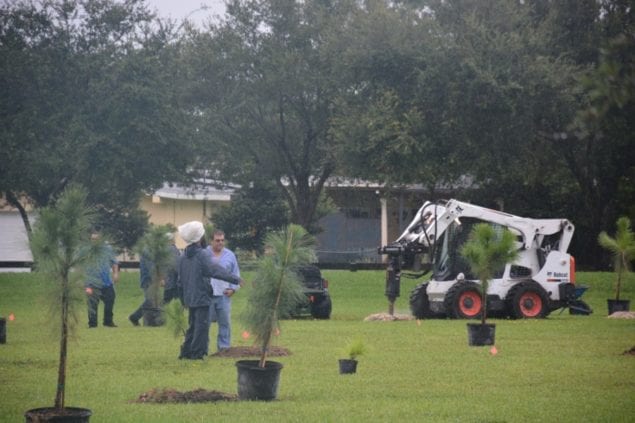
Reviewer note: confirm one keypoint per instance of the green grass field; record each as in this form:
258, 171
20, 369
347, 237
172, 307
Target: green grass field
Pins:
566, 368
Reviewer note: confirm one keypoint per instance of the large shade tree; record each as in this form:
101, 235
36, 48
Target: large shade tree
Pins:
264, 85
490, 93
88, 94
465, 90
600, 144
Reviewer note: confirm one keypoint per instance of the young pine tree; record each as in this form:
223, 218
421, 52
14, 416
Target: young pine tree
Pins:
277, 289
61, 249
622, 247
487, 250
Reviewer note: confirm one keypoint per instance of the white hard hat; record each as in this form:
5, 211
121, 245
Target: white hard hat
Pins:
192, 232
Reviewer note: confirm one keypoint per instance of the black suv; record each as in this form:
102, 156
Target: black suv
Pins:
318, 301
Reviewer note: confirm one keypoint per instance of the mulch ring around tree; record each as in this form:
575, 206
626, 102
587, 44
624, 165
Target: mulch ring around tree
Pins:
623, 315
169, 395
630, 352
385, 317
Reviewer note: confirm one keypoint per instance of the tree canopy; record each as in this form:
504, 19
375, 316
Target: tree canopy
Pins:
89, 96
527, 104
264, 87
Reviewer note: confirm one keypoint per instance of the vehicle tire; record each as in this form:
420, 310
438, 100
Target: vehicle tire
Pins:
463, 301
527, 300
419, 304
322, 308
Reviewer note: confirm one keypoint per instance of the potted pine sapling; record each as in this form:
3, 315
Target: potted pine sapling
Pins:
276, 292
487, 250
622, 247
156, 258
354, 349
62, 248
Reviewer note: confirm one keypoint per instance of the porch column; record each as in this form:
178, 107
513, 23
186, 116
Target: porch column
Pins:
384, 226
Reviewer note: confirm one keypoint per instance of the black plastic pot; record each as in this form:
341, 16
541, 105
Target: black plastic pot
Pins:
3, 330
479, 334
52, 414
258, 383
153, 317
618, 305
347, 366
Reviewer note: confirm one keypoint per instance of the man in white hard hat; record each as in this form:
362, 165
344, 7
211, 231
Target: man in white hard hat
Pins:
195, 270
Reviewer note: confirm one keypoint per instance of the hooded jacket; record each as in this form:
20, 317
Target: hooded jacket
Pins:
195, 270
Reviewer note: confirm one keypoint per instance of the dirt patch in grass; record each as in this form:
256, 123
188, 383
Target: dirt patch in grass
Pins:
239, 352
385, 317
630, 352
169, 395
623, 315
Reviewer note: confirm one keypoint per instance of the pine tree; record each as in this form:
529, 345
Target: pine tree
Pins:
622, 247
62, 249
277, 289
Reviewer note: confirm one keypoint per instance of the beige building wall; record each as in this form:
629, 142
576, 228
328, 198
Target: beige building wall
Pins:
176, 212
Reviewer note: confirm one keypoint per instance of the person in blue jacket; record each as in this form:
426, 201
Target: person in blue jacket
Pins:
100, 285
195, 268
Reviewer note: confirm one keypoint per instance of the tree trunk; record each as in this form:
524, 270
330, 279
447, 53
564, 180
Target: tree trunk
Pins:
13, 200
61, 372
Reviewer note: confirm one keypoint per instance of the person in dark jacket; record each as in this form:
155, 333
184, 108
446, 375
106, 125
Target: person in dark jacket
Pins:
145, 280
195, 268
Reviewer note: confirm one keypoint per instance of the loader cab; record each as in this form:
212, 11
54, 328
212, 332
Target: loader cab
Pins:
447, 259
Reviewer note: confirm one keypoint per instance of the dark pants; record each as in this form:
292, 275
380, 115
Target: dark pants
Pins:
146, 305
197, 335
107, 296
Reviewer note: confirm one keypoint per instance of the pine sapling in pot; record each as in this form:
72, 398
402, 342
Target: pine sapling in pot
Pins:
276, 292
622, 247
62, 250
487, 250
277, 289
156, 258
353, 350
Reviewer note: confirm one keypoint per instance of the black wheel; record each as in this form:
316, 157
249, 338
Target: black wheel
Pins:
527, 300
419, 304
463, 301
321, 309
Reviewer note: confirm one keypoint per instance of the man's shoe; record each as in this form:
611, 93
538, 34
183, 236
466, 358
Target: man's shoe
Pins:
134, 321
91, 326
110, 325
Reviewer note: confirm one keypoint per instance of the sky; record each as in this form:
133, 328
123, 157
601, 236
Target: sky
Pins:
179, 9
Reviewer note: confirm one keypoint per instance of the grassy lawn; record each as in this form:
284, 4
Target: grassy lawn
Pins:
566, 368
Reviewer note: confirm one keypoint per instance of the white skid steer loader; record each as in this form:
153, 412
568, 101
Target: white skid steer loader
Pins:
540, 281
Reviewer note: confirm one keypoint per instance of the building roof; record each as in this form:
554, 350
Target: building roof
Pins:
200, 190
14, 242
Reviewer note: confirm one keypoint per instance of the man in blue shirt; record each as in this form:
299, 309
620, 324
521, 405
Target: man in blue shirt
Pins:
195, 269
100, 286
220, 311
